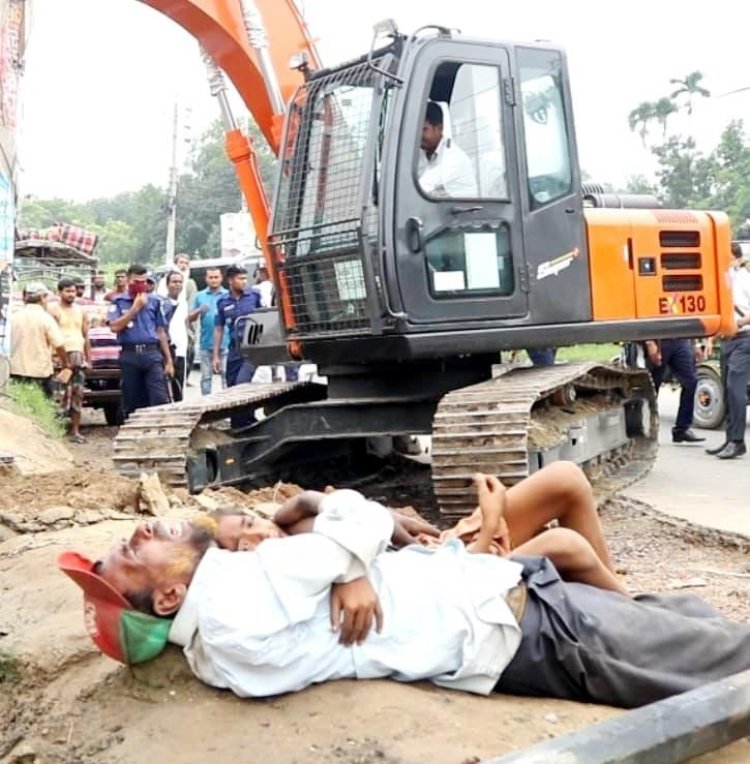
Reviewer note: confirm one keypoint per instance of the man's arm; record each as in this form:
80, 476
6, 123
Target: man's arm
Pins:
121, 322
216, 355
86, 343
161, 336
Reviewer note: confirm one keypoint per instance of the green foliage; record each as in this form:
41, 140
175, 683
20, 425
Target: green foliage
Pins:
602, 353
133, 225
30, 401
685, 176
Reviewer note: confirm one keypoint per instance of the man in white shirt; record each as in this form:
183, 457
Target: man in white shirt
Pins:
176, 315
735, 362
259, 622
444, 169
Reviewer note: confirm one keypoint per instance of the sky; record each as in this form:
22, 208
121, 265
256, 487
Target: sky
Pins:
102, 77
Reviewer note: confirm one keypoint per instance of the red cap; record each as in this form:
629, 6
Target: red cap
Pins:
118, 630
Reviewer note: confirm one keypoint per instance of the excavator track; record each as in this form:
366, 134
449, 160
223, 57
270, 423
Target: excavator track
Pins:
159, 439
525, 417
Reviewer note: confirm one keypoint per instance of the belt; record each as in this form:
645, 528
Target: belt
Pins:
516, 599
142, 347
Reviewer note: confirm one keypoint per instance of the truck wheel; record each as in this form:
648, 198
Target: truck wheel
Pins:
710, 406
113, 414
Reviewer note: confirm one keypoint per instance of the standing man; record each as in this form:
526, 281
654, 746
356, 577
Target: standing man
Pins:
74, 325
735, 362
100, 287
34, 337
176, 315
204, 307
680, 357
189, 290
241, 301
138, 319
80, 287
121, 285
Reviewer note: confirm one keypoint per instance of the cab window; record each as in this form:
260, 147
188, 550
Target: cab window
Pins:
548, 162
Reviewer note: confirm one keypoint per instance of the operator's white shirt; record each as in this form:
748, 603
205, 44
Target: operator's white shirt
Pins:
258, 622
447, 172
739, 279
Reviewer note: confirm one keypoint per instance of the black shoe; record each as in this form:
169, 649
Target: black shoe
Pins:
685, 436
732, 450
717, 449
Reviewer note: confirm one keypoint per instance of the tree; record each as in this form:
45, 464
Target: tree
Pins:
689, 87
662, 110
640, 118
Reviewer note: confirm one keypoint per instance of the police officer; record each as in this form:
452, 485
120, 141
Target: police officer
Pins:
138, 319
679, 356
241, 301
735, 362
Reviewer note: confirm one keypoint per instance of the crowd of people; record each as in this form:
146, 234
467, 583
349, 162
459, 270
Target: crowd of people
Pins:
161, 324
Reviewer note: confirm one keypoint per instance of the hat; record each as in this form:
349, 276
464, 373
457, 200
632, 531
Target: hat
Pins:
118, 630
151, 277
35, 289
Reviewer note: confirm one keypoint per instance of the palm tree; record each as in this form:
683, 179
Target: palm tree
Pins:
663, 108
689, 87
642, 115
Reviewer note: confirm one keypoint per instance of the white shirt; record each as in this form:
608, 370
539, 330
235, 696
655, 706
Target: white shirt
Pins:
447, 172
265, 291
739, 279
258, 623
177, 329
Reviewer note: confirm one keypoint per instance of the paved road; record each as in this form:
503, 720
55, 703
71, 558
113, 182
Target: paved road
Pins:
688, 483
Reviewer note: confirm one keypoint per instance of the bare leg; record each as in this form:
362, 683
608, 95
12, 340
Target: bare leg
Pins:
559, 492
75, 423
574, 558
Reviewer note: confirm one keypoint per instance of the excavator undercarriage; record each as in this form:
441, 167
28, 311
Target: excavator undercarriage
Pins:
509, 425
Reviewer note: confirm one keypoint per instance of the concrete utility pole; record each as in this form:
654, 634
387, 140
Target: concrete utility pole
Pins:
172, 195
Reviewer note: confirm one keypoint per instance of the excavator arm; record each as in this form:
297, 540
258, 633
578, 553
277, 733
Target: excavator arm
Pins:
235, 35
220, 26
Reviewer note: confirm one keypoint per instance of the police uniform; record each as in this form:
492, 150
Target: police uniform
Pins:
141, 362
228, 309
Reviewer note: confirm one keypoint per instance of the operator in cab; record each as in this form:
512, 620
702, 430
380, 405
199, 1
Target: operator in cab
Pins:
444, 169
138, 320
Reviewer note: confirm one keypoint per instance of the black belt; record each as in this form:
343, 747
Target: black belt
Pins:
143, 347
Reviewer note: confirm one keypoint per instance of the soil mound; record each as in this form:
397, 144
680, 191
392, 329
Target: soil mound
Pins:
33, 452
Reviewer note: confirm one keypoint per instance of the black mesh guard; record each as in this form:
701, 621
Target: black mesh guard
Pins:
316, 238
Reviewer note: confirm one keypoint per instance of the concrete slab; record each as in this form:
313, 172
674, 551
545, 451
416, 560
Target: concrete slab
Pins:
688, 483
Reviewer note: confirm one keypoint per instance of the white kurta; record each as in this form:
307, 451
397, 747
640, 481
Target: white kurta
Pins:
258, 623
739, 279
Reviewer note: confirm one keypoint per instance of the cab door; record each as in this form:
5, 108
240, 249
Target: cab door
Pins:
457, 237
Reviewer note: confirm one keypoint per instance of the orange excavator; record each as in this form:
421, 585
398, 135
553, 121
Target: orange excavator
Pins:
429, 215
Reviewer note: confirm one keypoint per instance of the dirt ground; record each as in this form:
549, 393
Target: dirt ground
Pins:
62, 702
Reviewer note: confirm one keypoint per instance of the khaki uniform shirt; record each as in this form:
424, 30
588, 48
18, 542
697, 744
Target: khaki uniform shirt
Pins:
34, 334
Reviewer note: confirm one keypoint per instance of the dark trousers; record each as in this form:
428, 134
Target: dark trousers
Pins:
678, 355
542, 356
143, 381
177, 383
735, 374
239, 370
588, 644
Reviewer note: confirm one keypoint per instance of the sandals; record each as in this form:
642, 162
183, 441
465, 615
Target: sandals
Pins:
76, 439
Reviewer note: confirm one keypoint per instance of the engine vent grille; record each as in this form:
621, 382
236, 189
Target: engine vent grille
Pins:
681, 261
682, 283
677, 239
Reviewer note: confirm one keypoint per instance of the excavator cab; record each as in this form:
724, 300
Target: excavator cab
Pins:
480, 242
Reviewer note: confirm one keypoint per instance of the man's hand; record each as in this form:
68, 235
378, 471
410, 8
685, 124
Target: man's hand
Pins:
653, 352
216, 364
357, 602
140, 302
168, 367
491, 495
406, 529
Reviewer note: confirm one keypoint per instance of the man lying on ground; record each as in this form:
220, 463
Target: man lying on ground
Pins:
258, 622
